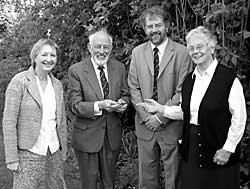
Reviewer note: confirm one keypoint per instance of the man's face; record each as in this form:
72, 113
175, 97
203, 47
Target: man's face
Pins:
100, 48
155, 29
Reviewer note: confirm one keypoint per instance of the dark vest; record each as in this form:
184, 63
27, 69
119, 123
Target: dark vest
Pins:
214, 117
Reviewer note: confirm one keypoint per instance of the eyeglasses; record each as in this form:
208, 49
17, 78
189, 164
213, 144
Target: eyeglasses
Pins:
198, 47
105, 48
156, 26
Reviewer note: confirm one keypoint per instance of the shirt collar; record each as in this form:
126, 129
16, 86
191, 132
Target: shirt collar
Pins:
209, 71
160, 47
96, 65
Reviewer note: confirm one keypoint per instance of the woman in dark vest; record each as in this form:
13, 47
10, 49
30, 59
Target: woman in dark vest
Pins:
214, 114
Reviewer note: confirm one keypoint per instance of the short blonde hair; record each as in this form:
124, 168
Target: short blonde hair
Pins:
37, 47
204, 32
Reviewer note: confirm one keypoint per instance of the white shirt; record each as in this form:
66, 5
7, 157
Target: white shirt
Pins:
161, 49
236, 102
97, 72
48, 136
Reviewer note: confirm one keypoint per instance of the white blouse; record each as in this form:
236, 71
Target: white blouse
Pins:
48, 136
236, 102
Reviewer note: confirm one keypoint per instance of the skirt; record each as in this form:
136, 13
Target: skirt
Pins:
194, 177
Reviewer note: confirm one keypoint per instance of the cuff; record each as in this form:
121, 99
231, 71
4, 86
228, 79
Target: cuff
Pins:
97, 110
228, 146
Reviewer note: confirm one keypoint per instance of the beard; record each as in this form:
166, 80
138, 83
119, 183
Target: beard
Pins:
102, 61
157, 37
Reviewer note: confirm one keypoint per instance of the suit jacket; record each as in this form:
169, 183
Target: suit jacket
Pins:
89, 129
173, 68
23, 114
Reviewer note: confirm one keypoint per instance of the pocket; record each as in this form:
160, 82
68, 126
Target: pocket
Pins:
80, 126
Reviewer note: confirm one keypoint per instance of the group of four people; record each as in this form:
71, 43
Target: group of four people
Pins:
164, 90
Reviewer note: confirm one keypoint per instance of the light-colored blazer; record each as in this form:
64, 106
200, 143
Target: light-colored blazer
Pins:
23, 114
173, 68
88, 129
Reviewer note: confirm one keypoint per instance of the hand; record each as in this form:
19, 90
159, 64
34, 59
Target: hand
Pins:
107, 105
221, 156
122, 106
152, 123
151, 106
13, 166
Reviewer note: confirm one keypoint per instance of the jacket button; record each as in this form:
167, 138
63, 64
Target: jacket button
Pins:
199, 134
199, 145
200, 165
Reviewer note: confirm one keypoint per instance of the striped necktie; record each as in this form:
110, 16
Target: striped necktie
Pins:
105, 84
156, 72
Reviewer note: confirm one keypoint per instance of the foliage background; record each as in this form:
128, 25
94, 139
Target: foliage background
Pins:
69, 22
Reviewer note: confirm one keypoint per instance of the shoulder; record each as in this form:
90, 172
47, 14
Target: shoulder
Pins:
77, 65
179, 48
225, 70
141, 47
116, 63
55, 80
20, 77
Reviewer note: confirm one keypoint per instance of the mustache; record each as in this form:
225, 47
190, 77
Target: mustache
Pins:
155, 33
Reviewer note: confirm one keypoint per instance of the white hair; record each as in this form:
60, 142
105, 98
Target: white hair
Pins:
102, 31
205, 33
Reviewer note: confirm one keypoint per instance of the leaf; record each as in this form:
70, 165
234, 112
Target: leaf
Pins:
246, 34
234, 60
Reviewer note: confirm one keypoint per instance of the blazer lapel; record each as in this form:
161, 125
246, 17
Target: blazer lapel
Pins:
149, 57
58, 96
92, 79
168, 53
112, 77
32, 86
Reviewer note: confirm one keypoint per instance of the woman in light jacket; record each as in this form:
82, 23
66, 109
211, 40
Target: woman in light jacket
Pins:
34, 122
214, 113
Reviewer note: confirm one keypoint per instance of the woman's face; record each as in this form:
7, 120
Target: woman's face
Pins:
46, 59
199, 50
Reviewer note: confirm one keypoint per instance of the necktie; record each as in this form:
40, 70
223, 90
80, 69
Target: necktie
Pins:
156, 72
105, 84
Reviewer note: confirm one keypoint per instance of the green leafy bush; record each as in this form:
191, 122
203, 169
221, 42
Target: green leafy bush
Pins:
70, 22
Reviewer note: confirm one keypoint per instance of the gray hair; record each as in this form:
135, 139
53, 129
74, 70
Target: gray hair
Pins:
155, 11
103, 31
37, 47
204, 32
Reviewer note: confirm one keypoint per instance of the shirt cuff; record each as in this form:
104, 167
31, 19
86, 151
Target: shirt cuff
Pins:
167, 109
228, 146
97, 110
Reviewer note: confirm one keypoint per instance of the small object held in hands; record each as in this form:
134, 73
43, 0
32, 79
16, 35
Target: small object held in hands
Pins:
122, 103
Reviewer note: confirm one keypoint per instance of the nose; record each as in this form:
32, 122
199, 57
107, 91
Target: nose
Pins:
49, 58
101, 49
155, 28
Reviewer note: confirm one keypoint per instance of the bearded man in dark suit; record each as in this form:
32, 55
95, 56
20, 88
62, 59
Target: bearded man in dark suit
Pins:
98, 95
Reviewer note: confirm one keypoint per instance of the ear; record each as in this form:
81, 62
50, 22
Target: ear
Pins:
89, 47
166, 29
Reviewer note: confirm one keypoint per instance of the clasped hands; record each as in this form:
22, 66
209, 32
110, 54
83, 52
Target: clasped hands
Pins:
153, 107
110, 105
